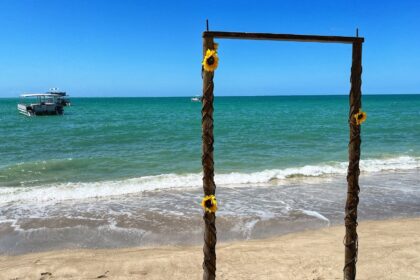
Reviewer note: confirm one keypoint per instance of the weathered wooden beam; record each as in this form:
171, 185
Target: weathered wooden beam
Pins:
351, 238
282, 37
209, 187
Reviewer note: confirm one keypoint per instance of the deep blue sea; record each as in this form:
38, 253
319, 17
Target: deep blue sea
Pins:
127, 171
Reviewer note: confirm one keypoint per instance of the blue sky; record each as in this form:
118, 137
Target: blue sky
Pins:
154, 48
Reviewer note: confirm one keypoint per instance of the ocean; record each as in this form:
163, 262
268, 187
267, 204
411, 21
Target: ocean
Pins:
117, 172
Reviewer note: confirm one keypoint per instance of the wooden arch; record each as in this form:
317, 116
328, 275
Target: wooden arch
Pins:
209, 187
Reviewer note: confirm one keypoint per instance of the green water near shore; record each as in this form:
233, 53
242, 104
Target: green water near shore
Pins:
120, 138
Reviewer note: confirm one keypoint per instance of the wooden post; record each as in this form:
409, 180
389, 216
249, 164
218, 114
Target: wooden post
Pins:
209, 187
351, 238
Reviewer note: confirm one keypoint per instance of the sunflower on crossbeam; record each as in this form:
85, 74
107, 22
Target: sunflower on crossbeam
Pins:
211, 59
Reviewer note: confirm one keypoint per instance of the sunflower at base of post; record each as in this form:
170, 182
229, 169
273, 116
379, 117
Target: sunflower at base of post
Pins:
209, 204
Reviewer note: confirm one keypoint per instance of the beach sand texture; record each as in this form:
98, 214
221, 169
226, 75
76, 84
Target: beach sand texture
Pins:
388, 250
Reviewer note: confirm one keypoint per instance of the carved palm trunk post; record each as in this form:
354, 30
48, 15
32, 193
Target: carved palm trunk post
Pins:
351, 238
209, 187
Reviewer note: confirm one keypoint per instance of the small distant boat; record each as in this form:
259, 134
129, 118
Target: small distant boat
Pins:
40, 104
65, 101
196, 99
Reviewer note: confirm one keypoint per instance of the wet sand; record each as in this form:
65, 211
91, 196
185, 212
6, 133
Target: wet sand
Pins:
388, 250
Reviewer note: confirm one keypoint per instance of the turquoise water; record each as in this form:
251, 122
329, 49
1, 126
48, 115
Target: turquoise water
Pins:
115, 172
101, 139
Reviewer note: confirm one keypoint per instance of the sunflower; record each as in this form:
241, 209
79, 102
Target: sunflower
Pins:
360, 117
209, 203
210, 61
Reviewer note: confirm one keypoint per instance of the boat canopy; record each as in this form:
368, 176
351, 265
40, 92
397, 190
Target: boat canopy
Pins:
40, 94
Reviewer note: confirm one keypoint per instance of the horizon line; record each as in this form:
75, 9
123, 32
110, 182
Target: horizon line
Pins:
189, 96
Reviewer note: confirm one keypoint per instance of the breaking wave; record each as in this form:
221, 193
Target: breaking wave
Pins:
84, 190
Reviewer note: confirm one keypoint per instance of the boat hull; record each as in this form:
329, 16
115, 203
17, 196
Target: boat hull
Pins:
40, 110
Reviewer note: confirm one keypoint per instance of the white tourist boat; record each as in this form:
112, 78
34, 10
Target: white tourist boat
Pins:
40, 104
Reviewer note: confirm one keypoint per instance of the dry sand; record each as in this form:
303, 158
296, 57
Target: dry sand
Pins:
388, 250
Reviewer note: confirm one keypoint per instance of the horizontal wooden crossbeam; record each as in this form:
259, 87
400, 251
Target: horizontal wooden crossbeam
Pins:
282, 37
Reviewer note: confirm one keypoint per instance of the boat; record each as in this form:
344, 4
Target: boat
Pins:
196, 99
64, 99
40, 104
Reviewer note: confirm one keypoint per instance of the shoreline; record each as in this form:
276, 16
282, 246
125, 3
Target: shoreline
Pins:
388, 249
143, 219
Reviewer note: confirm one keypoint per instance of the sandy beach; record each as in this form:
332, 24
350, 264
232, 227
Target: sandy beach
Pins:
388, 250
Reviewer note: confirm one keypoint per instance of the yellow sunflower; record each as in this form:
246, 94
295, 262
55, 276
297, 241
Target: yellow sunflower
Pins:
209, 203
360, 117
210, 61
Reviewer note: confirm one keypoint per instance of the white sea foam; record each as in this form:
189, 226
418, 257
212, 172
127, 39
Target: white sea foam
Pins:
316, 215
83, 190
